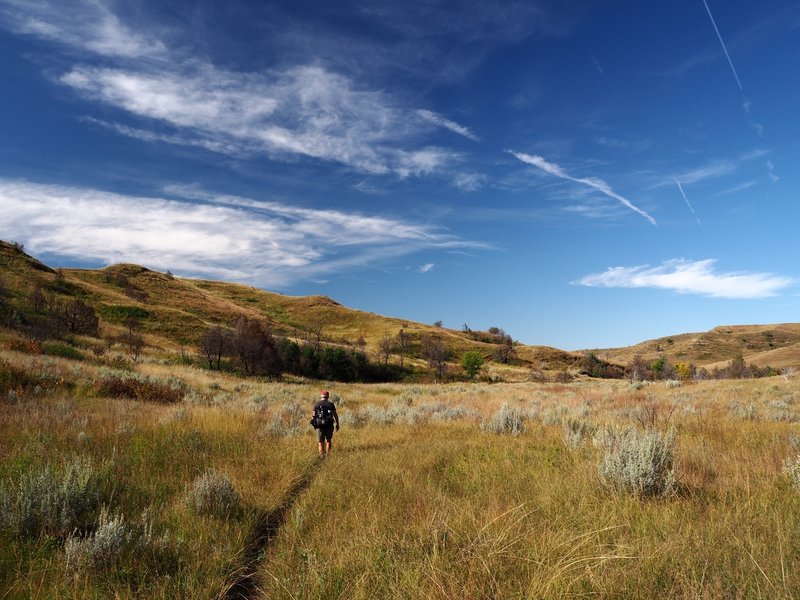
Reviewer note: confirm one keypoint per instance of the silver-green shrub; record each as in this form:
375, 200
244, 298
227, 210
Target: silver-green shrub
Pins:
638, 462
576, 430
791, 468
508, 420
289, 421
104, 546
213, 494
51, 501
113, 538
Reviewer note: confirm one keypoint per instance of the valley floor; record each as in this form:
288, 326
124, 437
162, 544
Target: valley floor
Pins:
419, 499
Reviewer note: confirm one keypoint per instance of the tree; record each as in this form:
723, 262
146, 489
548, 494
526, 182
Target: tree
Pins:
436, 354
472, 362
684, 371
78, 317
254, 347
662, 369
438, 324
385, 349
638, 369
403, 341
737, 368
215, 344
506, 352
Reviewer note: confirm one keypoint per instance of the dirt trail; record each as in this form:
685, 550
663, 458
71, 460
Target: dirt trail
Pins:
242, 584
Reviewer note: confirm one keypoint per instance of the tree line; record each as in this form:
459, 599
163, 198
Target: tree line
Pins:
251, 347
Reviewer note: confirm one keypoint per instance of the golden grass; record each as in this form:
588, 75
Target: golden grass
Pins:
421, 508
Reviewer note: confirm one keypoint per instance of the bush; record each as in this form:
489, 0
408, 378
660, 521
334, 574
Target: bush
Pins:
46, 502
103, 547
62, 350
575, 431
213, 494
791, 468
638, 462
12, 378
113, 539
289, 421
141, 388
506, 420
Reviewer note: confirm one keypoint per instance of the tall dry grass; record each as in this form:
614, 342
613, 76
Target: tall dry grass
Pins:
417, 499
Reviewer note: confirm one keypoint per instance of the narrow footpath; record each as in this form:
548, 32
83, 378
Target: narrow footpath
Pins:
243, 582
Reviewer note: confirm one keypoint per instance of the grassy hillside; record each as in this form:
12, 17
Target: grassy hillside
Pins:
775, 345
175, 312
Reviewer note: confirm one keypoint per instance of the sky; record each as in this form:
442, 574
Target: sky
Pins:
581, 174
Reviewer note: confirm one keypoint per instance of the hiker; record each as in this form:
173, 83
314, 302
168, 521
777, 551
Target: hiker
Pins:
324, 419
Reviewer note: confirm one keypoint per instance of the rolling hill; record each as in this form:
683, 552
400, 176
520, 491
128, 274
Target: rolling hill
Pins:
175, 312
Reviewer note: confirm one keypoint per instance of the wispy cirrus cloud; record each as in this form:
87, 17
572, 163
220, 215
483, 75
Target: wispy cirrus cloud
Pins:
165, 94
193, 232
304, 111
440, 121
426, 267
89, 26
690, 277
591, 182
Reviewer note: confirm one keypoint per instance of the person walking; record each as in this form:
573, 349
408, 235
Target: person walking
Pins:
324, 419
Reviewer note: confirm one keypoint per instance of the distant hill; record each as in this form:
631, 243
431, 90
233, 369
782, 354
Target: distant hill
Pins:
175, 312
774, 345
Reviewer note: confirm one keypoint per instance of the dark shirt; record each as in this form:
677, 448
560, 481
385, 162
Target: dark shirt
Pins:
321, 406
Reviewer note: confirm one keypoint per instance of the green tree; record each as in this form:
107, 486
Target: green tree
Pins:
472, 362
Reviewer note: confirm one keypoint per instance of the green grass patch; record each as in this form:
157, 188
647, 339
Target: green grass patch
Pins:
63, 350
119, 313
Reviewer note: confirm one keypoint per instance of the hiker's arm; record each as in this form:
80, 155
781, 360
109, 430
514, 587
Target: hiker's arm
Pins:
336, 418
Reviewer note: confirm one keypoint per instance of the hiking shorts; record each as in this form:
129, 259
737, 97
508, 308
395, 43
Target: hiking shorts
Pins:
325, 433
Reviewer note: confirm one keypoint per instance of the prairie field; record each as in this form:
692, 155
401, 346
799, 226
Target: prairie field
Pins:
164, 481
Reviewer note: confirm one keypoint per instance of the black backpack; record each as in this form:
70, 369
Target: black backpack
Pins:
323, 417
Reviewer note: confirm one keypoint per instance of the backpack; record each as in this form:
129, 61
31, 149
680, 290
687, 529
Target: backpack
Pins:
323, 417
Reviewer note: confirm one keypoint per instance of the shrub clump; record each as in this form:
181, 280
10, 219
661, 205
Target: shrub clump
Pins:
576, 430
213, 494
113, 539
791, 468
638, 462
289, 421
507, 420
137, 387
46, 502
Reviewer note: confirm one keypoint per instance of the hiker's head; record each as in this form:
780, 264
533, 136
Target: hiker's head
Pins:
324, 394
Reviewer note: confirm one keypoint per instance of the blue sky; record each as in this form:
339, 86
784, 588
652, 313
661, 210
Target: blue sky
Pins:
580, 174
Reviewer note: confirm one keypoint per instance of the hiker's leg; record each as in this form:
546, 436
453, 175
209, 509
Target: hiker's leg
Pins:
320, 448
328, 447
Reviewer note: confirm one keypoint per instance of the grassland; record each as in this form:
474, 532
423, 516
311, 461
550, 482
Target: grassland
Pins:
419, 498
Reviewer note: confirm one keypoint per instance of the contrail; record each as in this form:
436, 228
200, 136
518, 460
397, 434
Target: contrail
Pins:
724, 49
689, 204
598, 184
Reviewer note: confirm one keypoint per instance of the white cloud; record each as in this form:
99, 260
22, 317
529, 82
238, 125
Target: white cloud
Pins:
592, 182
771, 172
197, 233
712, 170
469, 182
305, 110
439, 120
426, 267
688, 277
87, 25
